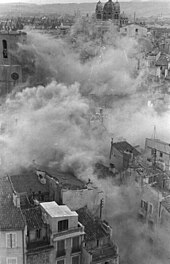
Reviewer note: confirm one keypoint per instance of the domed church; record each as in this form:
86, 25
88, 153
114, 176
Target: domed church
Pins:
110, 11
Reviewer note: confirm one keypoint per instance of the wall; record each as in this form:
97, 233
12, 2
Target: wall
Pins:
7, 83
76, 199
154, 197
11, 252
10, 72
12, 44
86, 257
117, 159
42, 257
53, 221
130, 30
68, 249
161, 148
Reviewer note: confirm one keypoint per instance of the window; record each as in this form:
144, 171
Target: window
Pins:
60, 248
11, 260
4, 43
38, 232
136, 30
161, 154
153, 152
144, 205
60, 261
75, 245
11, 240
62, 225
150, 208
75, 260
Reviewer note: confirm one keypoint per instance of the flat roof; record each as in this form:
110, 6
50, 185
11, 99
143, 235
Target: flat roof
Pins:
55, 210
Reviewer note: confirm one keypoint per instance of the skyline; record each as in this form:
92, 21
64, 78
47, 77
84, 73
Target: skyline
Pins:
70, 1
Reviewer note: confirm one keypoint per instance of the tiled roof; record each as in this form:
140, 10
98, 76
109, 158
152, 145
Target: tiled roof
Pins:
33, 217
66, 179
166, 203
162, 60
27, 181
11, 217
124, 146
93, 227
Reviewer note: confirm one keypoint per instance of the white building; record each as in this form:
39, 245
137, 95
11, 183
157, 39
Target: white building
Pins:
158, 152
67, 234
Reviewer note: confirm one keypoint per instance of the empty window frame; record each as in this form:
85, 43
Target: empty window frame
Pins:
5, 48
63, 225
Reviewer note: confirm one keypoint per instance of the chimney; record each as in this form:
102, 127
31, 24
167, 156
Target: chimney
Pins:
16, 200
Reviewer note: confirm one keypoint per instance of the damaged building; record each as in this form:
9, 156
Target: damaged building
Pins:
122, 155
43, 231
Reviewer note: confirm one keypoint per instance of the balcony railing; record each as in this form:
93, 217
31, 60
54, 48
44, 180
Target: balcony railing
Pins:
69, 231
75, 250
61, 253
37, 244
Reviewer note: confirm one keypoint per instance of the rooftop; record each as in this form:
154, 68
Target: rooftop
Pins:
4, 32
11, 217
166, 203
124, 146
162, 60
33, 217
67, 179
93, 227
55, 210
27, 182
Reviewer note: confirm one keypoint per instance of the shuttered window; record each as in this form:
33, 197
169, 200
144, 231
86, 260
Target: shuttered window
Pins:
11, 240
11, 260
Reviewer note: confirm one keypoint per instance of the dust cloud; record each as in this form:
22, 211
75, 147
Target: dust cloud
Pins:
48, 119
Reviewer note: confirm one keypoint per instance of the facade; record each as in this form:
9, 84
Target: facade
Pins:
12, 227
98, 245
158, 152
10, 71
134, 30
67, 234
110, 11
122, 155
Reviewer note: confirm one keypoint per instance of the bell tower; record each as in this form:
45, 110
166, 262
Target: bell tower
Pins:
10, 71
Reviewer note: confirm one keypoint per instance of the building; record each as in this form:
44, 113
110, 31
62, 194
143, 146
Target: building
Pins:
12, 227
110, 11
134, 30
39, 247
10, 71
76, 193
67, 234
98, 246
158, 152
122, 155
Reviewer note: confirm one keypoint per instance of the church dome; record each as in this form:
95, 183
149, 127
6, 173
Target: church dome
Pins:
117, 6
109, 6
99, 7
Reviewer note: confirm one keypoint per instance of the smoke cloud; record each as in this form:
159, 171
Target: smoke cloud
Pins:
48, 119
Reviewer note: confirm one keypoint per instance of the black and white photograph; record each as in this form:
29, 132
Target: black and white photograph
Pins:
84, 131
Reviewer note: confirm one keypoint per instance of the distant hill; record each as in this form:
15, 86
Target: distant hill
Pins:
145, 9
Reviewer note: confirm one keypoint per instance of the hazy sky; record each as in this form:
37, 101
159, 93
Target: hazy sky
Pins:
66, 1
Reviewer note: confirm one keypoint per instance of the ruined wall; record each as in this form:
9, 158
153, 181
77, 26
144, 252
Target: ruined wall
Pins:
40, 258
76, 199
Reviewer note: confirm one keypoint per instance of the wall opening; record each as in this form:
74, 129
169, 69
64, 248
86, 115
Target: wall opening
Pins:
5, 53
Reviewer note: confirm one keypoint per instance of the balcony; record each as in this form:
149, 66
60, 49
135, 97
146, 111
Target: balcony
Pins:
38, 246
78, 229
76, 250
60, 253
